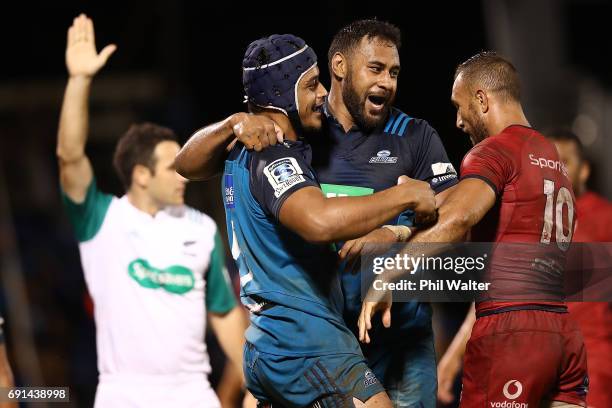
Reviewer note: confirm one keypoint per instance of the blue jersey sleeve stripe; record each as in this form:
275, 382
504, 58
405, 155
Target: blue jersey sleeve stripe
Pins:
390, 122
397, 122
403, 128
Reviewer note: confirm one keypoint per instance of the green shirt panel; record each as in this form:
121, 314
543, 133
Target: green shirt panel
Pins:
87, 217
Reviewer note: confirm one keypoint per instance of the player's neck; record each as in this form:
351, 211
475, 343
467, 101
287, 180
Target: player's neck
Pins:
139, 199
338, 109
284, 123
508, 115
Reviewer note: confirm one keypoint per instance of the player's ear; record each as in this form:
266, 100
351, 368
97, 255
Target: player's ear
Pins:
482, 101
339, 66
141, 175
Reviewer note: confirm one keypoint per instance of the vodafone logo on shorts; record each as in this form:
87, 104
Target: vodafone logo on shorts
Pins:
517, 386
512, 390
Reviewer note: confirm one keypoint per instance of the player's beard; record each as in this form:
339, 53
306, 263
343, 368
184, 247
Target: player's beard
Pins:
478, 129
355, 104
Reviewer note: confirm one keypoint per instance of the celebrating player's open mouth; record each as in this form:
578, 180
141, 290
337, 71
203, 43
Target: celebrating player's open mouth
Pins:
376, 104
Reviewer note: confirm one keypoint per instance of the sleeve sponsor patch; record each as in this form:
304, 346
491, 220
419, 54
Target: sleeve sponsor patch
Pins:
442, 168
282, 174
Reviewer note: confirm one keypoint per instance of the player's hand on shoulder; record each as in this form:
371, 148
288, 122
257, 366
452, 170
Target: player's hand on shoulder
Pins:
424, 199
256, 131
82, 59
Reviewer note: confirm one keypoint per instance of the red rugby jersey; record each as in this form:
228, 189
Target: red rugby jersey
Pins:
595, 318
535, 207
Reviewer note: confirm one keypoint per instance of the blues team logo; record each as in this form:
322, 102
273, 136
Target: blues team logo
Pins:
384, 156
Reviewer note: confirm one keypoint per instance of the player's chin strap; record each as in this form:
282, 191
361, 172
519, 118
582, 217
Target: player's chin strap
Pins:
402, 232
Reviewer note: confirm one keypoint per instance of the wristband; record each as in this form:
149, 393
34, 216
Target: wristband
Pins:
402, 232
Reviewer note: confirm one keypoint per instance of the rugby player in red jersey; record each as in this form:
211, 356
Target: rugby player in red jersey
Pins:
513, 189
595, 218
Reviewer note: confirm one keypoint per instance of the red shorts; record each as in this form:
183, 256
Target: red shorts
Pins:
518, 359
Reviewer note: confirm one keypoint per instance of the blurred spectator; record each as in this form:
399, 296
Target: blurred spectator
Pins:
593, 225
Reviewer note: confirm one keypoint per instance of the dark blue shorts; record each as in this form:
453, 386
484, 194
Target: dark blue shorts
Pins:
407, 370
289, 381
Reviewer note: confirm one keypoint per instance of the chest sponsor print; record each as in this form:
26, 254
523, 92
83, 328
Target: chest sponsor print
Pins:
339, 190
174, 279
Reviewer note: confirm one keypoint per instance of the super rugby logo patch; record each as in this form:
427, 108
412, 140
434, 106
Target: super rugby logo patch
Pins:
282, 174
384, 156
370, 379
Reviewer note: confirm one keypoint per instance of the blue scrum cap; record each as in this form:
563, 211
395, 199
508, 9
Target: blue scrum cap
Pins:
272, 67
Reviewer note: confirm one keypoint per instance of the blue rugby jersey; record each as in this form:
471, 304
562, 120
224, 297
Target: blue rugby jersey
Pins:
291, 287
359, 163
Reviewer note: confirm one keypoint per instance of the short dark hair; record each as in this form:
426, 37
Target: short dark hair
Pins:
493, 72
349, 37
136, 146
566, 135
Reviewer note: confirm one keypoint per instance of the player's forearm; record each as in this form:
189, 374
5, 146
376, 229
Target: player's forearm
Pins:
344, 218
456, 349
74, 120
229, 329
202, 156
452, 226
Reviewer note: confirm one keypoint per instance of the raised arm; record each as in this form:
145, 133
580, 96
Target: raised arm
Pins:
317, 218
202, 157
83, 62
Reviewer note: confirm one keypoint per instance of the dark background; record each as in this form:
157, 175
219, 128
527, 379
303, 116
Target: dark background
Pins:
179, 64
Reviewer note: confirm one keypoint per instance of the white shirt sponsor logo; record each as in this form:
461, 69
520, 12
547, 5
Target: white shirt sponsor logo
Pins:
517, 393
512, 390
440, 179
543, 162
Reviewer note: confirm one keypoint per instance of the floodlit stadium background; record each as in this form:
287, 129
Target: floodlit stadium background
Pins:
178, 64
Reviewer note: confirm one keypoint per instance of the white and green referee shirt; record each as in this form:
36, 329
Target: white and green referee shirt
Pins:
152, 280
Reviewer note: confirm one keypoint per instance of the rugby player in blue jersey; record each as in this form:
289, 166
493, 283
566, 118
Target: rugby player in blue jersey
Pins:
299, 350
366, 144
